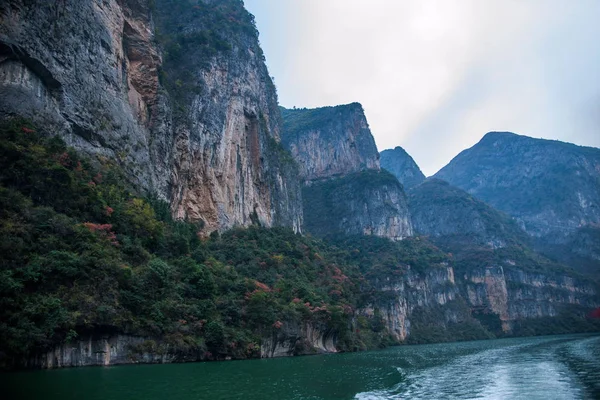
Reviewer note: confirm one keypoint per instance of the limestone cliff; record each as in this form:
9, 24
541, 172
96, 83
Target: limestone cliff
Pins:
345, 192
397, 299
329, 141
514, 295
402, 166
363, 203
109, 349
293, 339
200, 130
493, 300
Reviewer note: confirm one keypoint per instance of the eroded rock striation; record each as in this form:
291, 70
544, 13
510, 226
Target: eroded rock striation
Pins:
200, 129
329, 141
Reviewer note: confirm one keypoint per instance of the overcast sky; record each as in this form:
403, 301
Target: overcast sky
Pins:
435, 76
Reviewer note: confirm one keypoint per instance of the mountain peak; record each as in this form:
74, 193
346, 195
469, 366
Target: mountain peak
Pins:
402, 166
551, 187
498, 135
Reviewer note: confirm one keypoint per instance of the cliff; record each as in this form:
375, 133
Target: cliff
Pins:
363, 203
170, 112
344, 190
402, 166
329, 141
200, 131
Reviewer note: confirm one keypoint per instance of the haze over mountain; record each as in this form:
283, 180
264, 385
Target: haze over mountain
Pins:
402, 166
158, 205
552, 188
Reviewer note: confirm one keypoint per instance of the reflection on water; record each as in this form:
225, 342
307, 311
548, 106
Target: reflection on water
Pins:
556, 367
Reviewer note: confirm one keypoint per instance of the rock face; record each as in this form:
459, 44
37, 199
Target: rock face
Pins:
413, 292
551, 188
514, 295
88, 70
489, 300
109, 350
201, 131
364, 203
329, 141
402, 166
293, 340
439, 209
416, 306
345, 192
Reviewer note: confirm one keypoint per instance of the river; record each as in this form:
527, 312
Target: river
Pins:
551, 367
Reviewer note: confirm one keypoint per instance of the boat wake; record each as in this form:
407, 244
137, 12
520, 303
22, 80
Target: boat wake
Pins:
530, 371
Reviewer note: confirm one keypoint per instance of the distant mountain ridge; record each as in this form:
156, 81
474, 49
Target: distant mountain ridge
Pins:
552, 188
439, 209
402, 165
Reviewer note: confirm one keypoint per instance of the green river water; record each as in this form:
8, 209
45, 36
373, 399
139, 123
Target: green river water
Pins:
551, 367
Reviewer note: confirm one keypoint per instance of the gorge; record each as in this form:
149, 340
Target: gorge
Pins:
158, 205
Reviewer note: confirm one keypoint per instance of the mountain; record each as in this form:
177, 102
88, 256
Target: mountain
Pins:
440, 210
506, 283
551, 188
402, 166
153, 195
344, 192
176, 91
370, 202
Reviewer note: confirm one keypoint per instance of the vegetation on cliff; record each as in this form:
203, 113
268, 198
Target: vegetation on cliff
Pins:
332, 206
81, 252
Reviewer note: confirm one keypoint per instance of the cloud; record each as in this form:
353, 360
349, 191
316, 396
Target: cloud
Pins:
435, 76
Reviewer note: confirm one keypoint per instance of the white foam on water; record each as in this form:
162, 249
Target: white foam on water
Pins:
526, 371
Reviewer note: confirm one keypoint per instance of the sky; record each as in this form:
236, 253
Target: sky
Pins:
435, 76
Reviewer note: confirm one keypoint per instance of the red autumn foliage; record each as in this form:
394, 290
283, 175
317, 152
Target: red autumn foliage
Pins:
262, 286
64, 159
104, 230
277, 324
27, 130
108, 210
296, 300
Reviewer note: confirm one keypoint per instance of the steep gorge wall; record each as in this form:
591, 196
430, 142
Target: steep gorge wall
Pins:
440, 300
345, 192
201, 132
87, 70
515, 295
436, 304
330, 141
398, 298
363, 203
